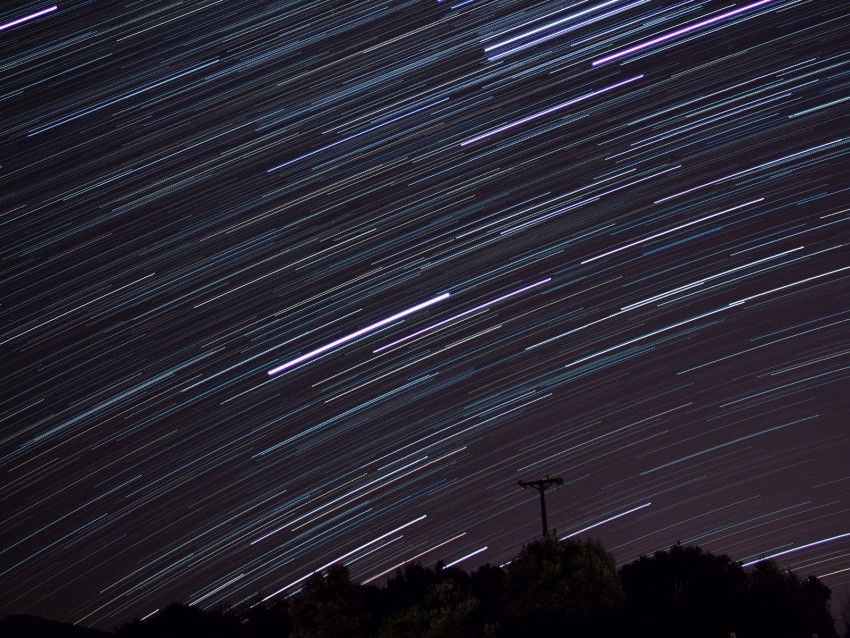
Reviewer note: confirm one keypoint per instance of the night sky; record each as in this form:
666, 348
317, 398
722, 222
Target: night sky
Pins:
293, 283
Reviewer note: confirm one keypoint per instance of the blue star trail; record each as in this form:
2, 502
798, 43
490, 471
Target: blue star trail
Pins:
289, 284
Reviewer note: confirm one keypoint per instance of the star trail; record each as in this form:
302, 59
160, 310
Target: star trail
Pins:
286, 284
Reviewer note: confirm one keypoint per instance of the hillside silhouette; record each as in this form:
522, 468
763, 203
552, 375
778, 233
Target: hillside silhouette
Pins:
22, 626
552, 588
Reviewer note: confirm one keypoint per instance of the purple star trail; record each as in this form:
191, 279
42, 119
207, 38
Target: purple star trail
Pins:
357, 333
675, 34
27, 18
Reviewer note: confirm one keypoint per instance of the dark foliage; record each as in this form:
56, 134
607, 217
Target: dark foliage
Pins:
780, 605
552, 588
265, 620
331, 606
686, 587
845, 617
713, 596
183, 621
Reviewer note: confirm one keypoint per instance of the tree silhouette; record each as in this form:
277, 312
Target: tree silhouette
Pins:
183, 621
266, 620
555, 585
845, 617
331, 606
779, 605
434, 603
551, 588
687, 591
685, 586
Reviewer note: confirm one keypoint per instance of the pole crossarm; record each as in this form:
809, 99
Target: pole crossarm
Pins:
542, 484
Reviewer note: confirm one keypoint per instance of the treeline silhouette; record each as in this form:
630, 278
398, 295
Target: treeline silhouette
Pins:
568, 588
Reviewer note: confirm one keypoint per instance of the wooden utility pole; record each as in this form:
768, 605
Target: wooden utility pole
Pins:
541, 486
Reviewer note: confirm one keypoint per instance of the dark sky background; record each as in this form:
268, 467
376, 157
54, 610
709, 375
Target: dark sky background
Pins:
640, 211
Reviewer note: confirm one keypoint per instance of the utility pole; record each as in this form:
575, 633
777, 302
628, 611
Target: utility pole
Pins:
541, 486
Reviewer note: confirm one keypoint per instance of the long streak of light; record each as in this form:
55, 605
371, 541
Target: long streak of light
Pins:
796, 549
343, 557
607, 520
462, 314
557, 107
673, 34
671, 230
358, 333
463, 558
412, 558
27, 18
